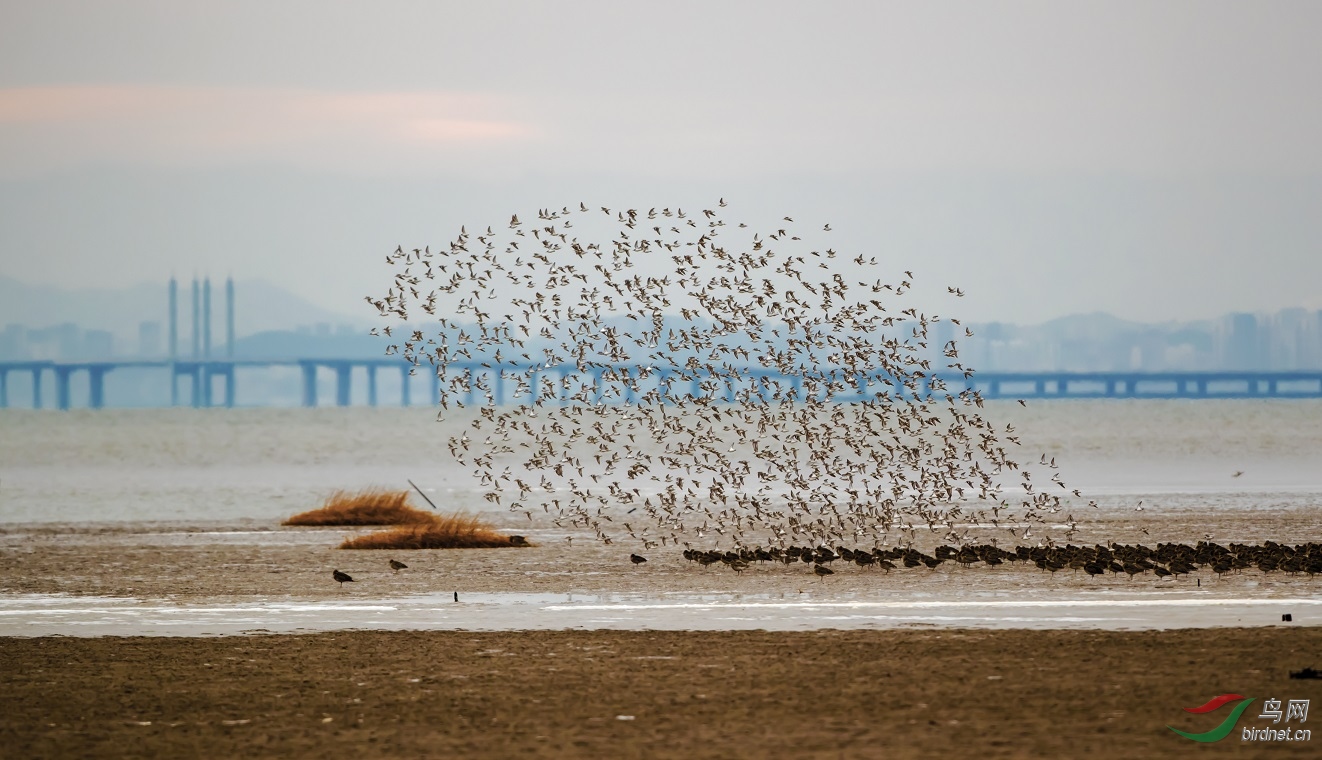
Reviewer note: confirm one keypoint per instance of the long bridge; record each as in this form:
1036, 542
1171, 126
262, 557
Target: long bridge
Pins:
503, 383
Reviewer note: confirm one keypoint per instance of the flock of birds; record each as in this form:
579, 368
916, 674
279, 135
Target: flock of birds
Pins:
1163, 561
1166, 560
680, 376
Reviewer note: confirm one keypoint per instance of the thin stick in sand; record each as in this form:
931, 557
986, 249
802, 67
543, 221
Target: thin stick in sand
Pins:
420, 493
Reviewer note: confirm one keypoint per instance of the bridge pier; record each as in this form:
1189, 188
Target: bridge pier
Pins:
471, 374
343, 380
371, 385
191, 370
405, 374
534, 386
96, 380
666, 389
309, 384
598, 384
62, 387
229, 387
562, 388
209, 373
922, 388
195, 372
4, 389
630, 385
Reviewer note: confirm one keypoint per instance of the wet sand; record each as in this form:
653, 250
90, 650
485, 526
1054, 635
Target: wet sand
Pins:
240, 560
188, 579
829, 694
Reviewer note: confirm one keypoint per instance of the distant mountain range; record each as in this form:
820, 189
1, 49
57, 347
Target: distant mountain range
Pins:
259, 307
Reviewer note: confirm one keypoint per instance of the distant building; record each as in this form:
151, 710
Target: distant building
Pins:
13, 343
1315, 362
50, 343
68, 340
97, 344
1241, 342
1182, 357
1149, 351
149, 339
1294, 339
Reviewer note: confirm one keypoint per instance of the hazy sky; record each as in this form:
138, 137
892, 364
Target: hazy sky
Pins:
1155, 160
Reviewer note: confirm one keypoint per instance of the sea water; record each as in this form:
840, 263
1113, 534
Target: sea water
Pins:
191, 465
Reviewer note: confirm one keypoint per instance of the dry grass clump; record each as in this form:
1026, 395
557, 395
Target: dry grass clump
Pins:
371, 506
455, 531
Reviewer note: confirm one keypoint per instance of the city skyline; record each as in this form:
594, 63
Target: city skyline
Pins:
1284, 339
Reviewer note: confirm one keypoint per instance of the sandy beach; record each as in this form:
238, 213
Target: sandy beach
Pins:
829, 694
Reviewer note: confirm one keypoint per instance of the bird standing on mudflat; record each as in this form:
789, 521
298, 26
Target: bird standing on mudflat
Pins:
636, 559
342, 578
396, 565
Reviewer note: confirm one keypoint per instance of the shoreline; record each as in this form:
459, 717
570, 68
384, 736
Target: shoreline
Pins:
1077, 609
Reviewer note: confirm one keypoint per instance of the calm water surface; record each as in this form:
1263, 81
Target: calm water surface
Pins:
263, 464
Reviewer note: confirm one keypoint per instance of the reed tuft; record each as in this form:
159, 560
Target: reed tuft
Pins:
371, 506
453, 531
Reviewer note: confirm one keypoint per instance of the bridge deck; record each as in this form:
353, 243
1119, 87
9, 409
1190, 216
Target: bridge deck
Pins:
502, 383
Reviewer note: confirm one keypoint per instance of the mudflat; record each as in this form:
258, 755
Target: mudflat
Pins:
620, 694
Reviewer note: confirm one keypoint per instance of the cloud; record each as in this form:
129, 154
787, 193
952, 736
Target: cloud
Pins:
51, 128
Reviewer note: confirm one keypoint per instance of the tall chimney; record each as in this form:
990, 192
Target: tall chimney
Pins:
197, 321
229, 317
206, 318
174, 318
